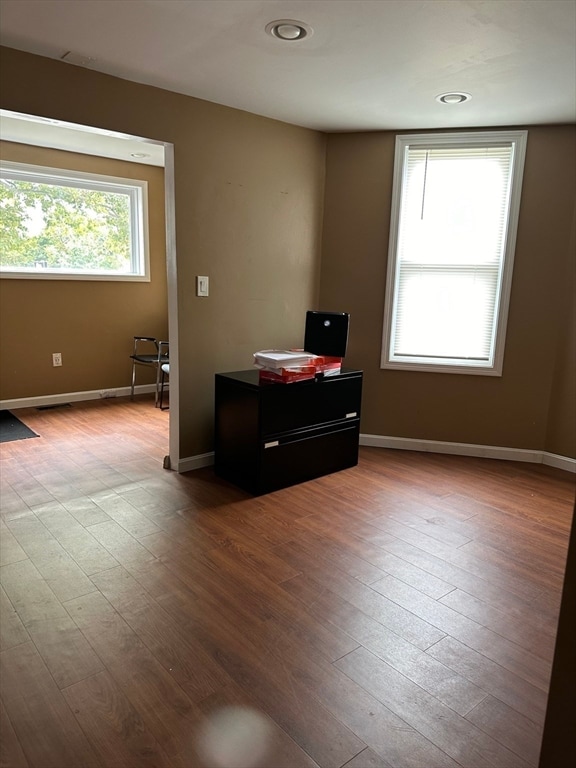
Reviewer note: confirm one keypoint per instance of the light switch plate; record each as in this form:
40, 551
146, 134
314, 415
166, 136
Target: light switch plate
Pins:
202, 285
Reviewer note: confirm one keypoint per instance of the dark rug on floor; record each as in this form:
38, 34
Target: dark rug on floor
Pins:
11, 428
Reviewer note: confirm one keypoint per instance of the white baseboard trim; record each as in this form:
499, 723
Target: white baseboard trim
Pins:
74, 397
190, 463
431, 446
195, 462
560, 462
470, 449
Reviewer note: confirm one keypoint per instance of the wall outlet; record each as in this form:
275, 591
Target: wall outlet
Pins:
57, 359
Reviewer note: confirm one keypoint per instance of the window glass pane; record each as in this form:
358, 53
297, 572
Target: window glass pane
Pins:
450, 247
445, 314
65, 224
453, 227
454, 206
50, 226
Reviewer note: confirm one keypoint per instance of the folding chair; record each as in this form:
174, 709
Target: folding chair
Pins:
149, 351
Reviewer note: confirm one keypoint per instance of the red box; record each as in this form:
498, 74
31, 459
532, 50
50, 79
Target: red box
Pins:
322, 365
287, 375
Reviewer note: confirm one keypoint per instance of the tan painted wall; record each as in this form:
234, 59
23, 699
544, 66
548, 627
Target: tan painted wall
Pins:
249, 201
249, 196
511, 410
92, 323
561, 437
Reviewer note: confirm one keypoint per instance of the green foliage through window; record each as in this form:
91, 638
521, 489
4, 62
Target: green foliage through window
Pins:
69, 225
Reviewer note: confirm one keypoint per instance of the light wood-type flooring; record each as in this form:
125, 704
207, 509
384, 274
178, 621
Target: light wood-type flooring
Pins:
398, 614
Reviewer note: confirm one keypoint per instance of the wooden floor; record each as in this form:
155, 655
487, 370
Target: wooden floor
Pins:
401, 613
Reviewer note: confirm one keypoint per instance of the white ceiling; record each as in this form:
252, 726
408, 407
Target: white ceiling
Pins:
370, 64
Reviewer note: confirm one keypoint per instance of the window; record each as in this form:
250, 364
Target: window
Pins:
452, 236
65, 224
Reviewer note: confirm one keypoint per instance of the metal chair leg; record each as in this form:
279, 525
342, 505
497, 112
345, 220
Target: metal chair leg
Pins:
158, 371
133, 380
162, 380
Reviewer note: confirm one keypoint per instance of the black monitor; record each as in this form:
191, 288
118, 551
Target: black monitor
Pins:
326, 333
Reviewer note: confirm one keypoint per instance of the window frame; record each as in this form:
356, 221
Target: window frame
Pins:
135, 189
518, 141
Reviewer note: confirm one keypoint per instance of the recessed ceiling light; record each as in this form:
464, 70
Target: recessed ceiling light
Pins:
139, 154
289, 30
455, 97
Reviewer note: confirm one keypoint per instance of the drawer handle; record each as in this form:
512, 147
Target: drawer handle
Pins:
352, 415
273, 444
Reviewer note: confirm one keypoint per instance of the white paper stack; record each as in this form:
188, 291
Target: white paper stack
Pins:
282, 358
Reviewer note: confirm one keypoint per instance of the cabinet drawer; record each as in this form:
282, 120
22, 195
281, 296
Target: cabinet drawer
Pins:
309, 454
286, 407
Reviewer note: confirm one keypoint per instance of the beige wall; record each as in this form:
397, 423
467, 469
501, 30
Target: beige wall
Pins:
511, 410
249, 195
561, 436
91, 323
249, 206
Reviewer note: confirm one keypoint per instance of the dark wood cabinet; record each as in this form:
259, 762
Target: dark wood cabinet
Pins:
269, 435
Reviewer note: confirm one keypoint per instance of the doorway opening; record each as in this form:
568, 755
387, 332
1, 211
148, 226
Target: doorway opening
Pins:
53, 134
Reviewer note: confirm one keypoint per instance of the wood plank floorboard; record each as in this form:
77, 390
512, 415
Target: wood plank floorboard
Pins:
456, 735
399, 614
116, 731
438, 679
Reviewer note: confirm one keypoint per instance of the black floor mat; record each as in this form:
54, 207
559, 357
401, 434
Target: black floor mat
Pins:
11, 428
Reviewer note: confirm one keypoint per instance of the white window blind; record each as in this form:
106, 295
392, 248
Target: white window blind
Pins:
449, 249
